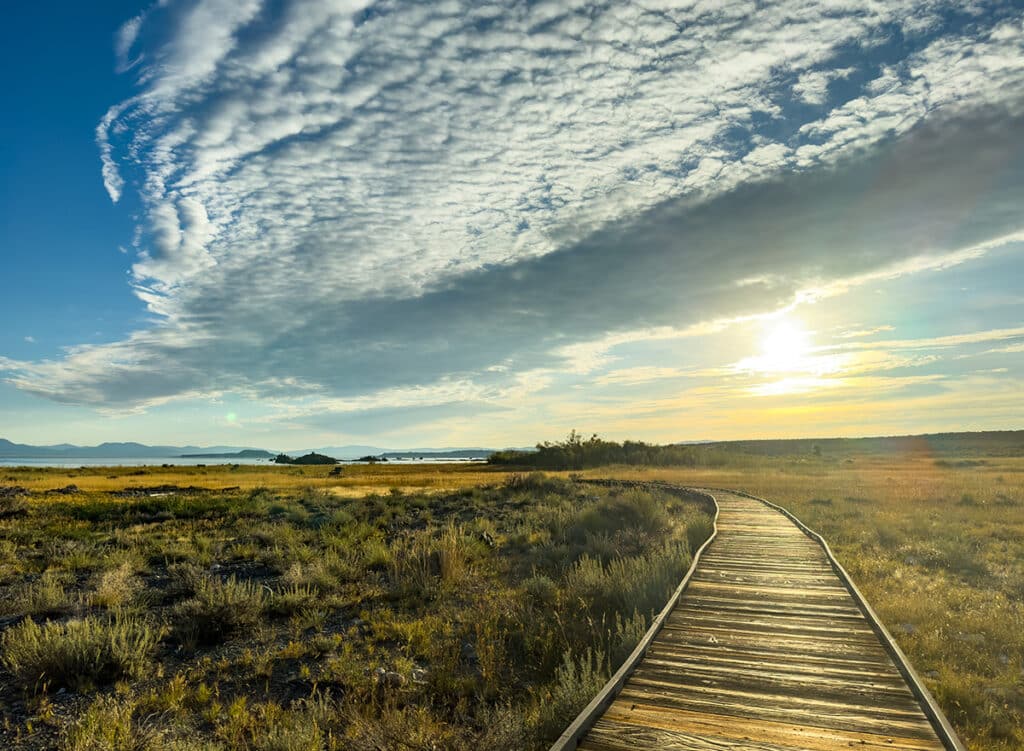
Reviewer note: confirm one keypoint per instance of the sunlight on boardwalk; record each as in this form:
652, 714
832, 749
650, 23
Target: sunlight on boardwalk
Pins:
766, 650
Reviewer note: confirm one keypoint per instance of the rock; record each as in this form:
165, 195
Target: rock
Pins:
66, 490
975, 639
388, 678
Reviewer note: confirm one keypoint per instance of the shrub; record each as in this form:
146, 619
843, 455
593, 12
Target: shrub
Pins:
45, 596
78, 653
623, 637
639, 583
541, 590
577, 681
634, 509
218, 610
697, 531
453, 554
108, 725
292, 599
115, 588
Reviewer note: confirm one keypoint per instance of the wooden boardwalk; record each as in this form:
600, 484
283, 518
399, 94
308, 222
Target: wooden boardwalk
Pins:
766, 650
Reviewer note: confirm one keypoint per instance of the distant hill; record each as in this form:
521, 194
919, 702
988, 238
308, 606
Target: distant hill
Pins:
577, 452
110, 450
991, 442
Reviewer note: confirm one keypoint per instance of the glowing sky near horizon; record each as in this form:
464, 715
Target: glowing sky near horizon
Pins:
309, 223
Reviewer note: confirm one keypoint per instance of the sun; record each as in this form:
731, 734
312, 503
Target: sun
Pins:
785, 347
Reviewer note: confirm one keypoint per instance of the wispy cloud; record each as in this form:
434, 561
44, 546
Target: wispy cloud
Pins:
374, 199
855, 333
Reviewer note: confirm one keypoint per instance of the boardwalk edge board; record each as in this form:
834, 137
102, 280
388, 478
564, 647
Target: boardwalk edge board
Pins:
931, 708
578, 729
569, 739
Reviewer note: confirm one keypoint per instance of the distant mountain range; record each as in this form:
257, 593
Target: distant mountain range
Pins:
143, 451
113, 450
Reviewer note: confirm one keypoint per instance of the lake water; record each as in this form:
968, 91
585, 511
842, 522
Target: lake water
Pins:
130, 461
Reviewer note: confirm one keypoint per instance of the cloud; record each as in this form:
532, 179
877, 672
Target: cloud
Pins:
857, 333
124, 40
942, 342
366, 200
812, 86
639, 375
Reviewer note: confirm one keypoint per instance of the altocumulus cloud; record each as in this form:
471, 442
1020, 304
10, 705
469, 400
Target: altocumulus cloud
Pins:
346, 201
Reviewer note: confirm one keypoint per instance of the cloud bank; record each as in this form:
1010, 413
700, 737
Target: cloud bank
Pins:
364, 202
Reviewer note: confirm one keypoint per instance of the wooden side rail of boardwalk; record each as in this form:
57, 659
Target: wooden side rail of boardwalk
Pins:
767, 649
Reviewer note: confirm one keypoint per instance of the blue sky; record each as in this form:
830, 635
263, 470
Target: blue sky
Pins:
310, 223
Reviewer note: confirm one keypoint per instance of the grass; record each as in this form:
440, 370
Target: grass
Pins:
484, 601
302, 615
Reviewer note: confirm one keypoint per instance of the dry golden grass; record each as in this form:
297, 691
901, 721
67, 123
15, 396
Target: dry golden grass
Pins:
356, 479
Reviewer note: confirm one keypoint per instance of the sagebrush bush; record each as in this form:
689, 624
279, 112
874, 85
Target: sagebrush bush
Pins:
218, 610
115, 588
45, 596
697, 531
79, 653
640, 583
577, 680
108, 724
292, 599
630, 510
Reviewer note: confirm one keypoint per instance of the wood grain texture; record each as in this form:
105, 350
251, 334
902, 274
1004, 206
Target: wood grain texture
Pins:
766, 650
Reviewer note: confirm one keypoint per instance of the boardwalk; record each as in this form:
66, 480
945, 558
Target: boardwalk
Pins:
767, 650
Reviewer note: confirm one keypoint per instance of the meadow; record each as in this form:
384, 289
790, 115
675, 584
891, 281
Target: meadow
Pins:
372, 584
289, 608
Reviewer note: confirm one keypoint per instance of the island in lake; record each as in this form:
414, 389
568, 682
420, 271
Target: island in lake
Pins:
311, 458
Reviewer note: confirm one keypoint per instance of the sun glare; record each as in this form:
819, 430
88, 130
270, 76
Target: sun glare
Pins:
791, 360
785, 347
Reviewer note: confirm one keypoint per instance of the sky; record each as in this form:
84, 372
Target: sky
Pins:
309, 223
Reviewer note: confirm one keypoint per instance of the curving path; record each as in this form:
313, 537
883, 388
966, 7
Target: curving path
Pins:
767, 649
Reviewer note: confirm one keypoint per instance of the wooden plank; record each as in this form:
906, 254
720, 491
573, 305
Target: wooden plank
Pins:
722, 729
